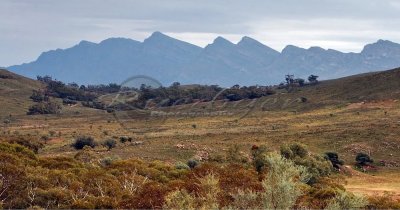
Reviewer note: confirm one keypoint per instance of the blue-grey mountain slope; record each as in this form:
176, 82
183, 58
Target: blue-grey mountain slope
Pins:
222, 62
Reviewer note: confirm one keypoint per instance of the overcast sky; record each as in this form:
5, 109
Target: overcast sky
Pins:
29, 27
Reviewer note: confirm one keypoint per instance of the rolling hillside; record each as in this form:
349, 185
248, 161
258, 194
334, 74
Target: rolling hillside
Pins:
15, 91
362, 87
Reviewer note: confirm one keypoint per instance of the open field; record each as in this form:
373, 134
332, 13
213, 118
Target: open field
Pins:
346, 130
371, 127
346, 116
385, 181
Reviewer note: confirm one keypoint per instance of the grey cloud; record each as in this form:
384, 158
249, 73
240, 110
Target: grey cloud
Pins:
30, 27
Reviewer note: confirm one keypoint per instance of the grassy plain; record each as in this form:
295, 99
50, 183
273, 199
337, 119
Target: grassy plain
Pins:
372, 128
346, 116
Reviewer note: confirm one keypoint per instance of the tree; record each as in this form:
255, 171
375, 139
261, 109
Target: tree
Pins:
299, 81
313, 79
363, 159
289, 79
235, 86
45, 79
176, 84
73, 85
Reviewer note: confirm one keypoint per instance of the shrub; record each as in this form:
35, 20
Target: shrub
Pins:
294, 150
282, 184
45, 138
334, 158
110, 143
363, 159
83, 141
180, 165
316, 165
179, 199
107, 161
52, 133
7, 121
385, 201
124, 139
33, 144
44, 108
233, 155
246, 200
210, 189
38, 96
345, 200
258, 154
192, 163
86, 155
67, 101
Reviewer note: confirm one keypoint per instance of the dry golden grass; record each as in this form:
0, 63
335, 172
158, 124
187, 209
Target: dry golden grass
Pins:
384, 181
344, 130
322, 124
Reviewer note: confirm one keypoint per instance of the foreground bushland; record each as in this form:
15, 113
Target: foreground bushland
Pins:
292, 178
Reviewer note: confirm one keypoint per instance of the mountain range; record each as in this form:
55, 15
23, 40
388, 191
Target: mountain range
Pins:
222, 62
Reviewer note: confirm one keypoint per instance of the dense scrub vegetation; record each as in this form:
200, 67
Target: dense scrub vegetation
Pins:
177, 95
148, 96
161, 96
48, 107
268, 180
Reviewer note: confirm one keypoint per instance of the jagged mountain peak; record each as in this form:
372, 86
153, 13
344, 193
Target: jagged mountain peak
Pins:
382, 43
159, 40
221, 62
316, 48
86, 43
221, 41
381, 47
289, 49
158, 34
250, 41
250, 44
247, 39
158, 37
118, 40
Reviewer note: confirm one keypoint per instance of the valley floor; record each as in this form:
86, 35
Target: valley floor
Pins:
372, 128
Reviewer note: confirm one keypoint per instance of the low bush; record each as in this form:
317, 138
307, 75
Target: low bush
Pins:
110, 143
192, 163
45, 108
124, 139
333, 157
363, 159
83, 141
